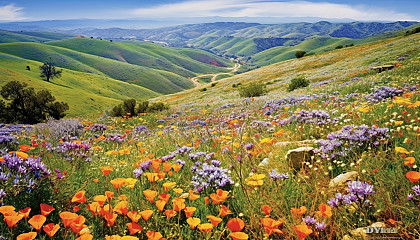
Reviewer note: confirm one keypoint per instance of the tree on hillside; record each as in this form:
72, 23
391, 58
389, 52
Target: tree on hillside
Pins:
299, 54
48, 71
27, 106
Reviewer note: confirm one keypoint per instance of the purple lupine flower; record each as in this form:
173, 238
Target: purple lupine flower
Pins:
138, 172
320, 226
309, 220
249, 146
410, 196
416, 190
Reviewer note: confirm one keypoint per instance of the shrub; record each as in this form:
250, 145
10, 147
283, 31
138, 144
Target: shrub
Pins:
300, 54
213, 84
297, 83
27, 106
117, 111
129, 107
203, 89
157, 106
253, 90
142, 107
339, 47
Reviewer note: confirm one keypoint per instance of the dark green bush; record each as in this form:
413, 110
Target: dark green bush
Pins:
142, 107
339, 47
27, 106
129, 107
203, 89
117, 111
296, 83
253, 89
299, 54
213, 84
157, 106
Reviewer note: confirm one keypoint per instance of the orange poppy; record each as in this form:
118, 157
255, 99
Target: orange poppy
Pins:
161, 175
170, 213
93, 207
205, 227
134, 228
223, 211
106, 209
409, 161
192, 196
106, 170
214, 220
76, 208
68, 218
193, 222
207, 200
12, 220
160, 204
118, 182
110, 218
150, 195
152, 235
324, 210
25, 212
413, 176
298, 211
152, 177
302, 230
51, 229
238, 236
109, 195
22, 155
87, 236
176, 167
146, 214
266, 209
235, 224
121, 208
5, 210
167, 166
168, 185
27, 236
134, 216
37, 221
46, 209
100, 199
189, 211
219, 197
123, 197
271, 226
156, 165
165, 197
178, 203
24, 148
79, 197
77, 224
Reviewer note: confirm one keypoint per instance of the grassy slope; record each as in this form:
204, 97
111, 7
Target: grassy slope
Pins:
86, 93
10, 37
156, 80
340, 65
143, 54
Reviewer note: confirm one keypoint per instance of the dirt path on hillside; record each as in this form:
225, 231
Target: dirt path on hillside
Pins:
214, 75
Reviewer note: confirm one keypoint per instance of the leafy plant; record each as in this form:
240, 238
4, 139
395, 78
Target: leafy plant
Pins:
253, 89
299, 54
296, 83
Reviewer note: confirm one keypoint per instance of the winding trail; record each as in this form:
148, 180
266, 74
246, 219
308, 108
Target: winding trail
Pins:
214, 75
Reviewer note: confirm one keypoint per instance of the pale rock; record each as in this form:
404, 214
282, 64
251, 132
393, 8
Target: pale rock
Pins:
264, 163
343, 178
296, 157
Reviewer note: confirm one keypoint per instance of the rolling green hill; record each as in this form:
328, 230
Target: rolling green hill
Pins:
149, 55
335, 67
23, 36
86, 93
155, 80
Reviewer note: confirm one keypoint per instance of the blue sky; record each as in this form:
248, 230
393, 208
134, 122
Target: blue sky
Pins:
361, 10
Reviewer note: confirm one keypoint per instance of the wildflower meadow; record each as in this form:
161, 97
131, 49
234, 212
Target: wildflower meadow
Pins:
220, 171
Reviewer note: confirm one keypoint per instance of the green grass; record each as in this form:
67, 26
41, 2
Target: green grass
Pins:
86, 93
23, 36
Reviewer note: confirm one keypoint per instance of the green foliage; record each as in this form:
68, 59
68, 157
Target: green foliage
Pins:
157, 107
339, 47
129, 107
48, 71
296, 83
27, 106
203, 89
300, 54
414, 31
117, 111
142, 107
253, 89
213, 84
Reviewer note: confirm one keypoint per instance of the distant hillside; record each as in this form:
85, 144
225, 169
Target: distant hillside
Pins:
86, 93
329, 68
24, 36
149, 55
160, 69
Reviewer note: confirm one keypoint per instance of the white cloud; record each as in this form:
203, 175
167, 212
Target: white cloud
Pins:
261, 8
11, 13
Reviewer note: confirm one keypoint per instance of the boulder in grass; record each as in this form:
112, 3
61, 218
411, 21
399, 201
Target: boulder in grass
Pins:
297, 157
342, 179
